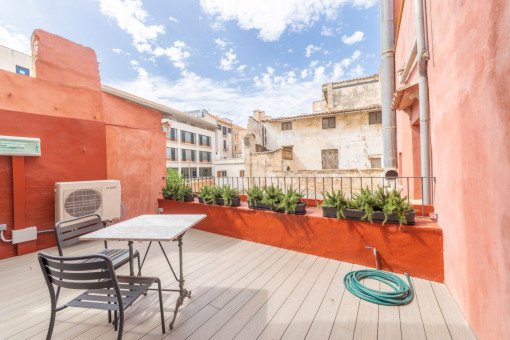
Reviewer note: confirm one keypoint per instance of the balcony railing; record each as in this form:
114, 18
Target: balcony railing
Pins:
314, 187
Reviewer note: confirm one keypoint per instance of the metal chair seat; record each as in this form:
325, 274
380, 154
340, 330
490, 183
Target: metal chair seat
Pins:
131, 288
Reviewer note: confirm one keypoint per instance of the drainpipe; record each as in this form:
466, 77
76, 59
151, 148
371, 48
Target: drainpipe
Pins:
388, 85
423, 56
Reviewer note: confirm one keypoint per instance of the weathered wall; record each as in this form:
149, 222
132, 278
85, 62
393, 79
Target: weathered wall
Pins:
469, 77
355, 139
352, 94
80, 139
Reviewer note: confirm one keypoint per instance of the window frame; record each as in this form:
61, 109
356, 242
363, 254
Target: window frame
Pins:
286, 126
328, 119
378, 118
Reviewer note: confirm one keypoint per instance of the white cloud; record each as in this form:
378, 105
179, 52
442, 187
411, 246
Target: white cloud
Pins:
311, 49
290, 50
357, 71
221, 43
13, 40
326, 31
347, 61
173, 19
228, 61
218, 26
354, 38
134, 62
241, 68
304, 74
117, 50
177, 53
271, 18
130, 17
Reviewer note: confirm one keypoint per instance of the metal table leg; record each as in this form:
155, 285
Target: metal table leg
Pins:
131, 270
183, 293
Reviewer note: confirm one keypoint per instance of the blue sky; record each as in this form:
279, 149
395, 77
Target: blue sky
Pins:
228, 56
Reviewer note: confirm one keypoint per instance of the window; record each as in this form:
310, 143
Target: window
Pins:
225, 145
172, 135
204, 156
188, 155
330, 159
219, 127
222, 173
375, 117
329, 123
229, 130
375, 163
241, 173
188, 137
286, 126
205, 172
204, 140
171, 153
22, 70
224, 130
189, 172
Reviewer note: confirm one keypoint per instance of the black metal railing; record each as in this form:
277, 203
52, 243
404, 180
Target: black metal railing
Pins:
314, 187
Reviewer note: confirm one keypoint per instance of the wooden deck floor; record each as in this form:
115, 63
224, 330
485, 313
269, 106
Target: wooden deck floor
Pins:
240, 290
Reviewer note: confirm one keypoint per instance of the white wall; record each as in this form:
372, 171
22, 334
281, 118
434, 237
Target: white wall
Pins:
232, 166
179, 146
10, 58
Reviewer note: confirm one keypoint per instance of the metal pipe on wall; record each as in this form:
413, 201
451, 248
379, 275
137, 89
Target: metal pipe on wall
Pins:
409, 63
423, 56
388, 85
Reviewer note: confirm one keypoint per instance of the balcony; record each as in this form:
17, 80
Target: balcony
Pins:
239, 289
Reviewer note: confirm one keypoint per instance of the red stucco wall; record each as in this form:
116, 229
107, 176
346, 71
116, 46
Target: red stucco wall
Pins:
469, 77
416, 250
85, 135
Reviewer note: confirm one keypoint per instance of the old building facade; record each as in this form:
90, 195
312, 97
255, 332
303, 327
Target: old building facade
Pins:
344, 136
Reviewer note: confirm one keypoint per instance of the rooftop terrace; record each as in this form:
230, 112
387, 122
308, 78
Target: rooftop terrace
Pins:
241, 290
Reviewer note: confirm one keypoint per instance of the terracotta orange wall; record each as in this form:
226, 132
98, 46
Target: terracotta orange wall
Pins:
469, 77
136, 156
415, 250
72, 150
85, 135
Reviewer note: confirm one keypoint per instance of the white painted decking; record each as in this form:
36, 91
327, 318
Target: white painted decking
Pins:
240, 290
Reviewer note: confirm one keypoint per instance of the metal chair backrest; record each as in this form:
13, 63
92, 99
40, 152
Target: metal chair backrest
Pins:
68, 232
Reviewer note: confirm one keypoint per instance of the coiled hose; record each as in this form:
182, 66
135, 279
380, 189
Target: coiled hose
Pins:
402, 293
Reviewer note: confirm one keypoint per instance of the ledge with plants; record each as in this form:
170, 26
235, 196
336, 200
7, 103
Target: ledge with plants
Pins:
274, 199
224, 195
176, 188
381, 206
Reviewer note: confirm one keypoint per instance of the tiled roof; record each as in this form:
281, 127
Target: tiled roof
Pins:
351, 80
328, 113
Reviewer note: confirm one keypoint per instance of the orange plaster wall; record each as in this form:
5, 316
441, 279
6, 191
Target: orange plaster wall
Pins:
469, 77
416, 250
72, 150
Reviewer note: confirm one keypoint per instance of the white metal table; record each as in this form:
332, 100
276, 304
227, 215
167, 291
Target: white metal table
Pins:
152, 228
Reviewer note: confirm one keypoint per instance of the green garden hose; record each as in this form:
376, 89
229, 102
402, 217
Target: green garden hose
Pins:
402, 293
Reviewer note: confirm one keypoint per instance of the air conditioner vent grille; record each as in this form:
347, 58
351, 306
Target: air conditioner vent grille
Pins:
83, 202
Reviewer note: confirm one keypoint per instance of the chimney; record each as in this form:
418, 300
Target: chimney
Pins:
259, 115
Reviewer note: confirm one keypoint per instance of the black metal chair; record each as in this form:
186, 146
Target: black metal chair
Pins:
105, 290
68, 232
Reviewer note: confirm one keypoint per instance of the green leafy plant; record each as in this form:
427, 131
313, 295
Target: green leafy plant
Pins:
228, 193
397, 205
255, 194
290, 200
381, 198
366, 202
207, 195
183, 191
272, 196
336, 200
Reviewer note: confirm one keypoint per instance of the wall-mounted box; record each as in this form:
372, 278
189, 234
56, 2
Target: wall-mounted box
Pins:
19, 146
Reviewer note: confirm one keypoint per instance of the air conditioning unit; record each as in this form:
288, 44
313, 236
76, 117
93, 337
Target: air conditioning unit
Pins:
75, 199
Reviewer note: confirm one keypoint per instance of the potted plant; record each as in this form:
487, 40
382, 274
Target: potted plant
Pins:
272, 198
291, 202
366, 202
228, 196
173, 182
184, 193
334, 204
255, 195
206, 195
396, 209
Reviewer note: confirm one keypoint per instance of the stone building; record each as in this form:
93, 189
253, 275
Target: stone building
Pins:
343, 135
